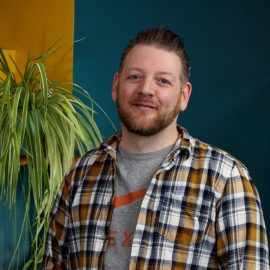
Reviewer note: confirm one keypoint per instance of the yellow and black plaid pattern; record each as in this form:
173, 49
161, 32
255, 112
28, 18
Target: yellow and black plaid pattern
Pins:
201, 211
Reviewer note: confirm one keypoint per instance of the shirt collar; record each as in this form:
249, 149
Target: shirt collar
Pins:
182, 145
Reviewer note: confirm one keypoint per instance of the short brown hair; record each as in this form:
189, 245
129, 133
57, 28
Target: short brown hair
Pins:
162, 38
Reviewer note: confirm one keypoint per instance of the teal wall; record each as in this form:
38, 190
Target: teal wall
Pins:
14, 234
229, 46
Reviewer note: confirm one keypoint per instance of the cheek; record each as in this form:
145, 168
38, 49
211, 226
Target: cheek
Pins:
123, 97
125, 93
169, 100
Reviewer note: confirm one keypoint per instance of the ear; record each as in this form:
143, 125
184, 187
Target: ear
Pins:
185, 95
115, 86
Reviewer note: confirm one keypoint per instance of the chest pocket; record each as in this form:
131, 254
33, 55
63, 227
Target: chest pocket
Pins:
182, 222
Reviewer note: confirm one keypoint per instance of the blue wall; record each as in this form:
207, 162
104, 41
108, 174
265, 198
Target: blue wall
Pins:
229, 46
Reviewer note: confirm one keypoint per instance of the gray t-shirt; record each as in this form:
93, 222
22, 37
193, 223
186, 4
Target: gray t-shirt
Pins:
133, 176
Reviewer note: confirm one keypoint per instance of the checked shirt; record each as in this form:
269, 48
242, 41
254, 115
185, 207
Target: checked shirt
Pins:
201, 211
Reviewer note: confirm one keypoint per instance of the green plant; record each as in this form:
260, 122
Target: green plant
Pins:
43, 121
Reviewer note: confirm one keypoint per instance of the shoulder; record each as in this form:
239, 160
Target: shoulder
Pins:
198, 150
217, 158
103, 153
219, 167
230, 178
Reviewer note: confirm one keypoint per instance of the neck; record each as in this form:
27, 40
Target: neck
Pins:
135, 143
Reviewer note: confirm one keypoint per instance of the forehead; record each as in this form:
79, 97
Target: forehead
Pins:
151, 57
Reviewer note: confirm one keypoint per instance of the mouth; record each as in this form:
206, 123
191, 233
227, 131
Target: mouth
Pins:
145, 105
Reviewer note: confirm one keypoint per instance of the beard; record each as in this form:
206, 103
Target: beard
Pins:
139, 123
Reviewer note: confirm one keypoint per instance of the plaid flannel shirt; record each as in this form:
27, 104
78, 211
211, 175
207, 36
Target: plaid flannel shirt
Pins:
201, 211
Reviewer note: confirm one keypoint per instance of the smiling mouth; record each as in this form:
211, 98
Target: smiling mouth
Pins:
145, 105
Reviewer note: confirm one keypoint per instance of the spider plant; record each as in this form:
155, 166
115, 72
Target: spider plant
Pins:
43, 121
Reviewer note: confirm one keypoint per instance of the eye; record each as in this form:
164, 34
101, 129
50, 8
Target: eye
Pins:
163, 81
134, 77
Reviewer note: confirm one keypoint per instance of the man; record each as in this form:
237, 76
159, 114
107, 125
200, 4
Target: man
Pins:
152, 196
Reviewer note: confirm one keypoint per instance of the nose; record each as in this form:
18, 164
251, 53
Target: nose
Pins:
147, 88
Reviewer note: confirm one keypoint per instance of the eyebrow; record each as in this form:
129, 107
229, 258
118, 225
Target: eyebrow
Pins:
158, 73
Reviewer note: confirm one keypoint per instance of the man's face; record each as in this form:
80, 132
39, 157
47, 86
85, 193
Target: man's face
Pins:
148, 90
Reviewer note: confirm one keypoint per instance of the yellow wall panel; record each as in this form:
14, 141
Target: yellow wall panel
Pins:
37, 25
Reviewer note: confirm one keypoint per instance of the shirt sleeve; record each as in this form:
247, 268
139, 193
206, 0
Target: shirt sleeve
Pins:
56, 250
240, 227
